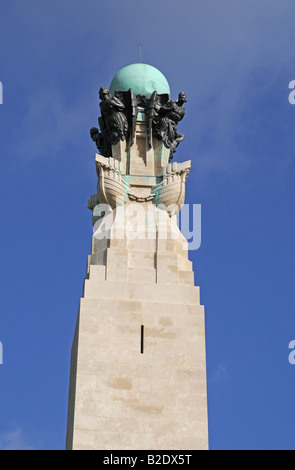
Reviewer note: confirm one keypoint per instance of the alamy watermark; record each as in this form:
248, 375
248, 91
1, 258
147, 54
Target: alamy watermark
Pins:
136, 221
291, 357
1, 93
292, 94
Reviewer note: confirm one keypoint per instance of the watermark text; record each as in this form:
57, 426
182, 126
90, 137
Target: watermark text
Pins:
134, 221
292, 94
291, 357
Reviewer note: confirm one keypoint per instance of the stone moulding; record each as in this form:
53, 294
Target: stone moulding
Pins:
171, 191
113, 187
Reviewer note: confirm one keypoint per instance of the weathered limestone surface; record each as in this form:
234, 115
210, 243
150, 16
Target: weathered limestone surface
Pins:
123, 397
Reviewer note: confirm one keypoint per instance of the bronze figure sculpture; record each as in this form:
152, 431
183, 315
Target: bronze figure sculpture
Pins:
166, 119
119, 114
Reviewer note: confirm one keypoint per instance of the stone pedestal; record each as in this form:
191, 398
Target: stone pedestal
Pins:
138, 367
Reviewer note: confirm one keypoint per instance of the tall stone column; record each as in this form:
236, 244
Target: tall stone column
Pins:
138, 365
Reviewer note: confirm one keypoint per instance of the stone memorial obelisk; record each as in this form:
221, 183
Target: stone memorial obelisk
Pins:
138, 365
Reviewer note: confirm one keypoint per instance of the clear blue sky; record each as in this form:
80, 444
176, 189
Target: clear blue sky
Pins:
234, 59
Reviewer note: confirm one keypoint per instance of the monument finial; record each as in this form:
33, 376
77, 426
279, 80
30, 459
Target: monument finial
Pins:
138, 86
140, 46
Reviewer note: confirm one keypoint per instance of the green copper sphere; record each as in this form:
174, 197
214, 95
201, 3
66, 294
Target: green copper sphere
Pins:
142, 78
